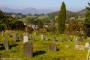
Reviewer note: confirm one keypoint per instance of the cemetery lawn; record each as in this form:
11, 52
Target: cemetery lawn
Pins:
65, 49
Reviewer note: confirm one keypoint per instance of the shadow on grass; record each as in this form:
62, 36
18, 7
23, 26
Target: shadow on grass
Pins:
1, 44
2, 48
18, 40
14, 45
38, 53
57, 49
10, 46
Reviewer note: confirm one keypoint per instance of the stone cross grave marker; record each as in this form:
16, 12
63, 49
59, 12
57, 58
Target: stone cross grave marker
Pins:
28, 49
5, 43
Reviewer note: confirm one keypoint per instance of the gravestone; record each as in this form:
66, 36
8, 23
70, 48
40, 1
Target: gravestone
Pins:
67, 46
28, 49
52, 47
87, 45
5, 44
17, 36
35, 33
25, 38
54, 38
68, 38
42, 36
79, 47
21, 36
14, 37
88, 54
46, 38
32, 37
2, 33
81, 39
75, 39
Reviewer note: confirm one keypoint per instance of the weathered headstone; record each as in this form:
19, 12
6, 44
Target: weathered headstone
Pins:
75, 39
2, 33
21, 37
67, 46
35, 33
32, 37
52, 47
81, 39
42, 36
28, 49
5, 43
79, 47
17, 36
25, 38
54, 38
46, 38
88, 54
87, 45
68, 38
14, 37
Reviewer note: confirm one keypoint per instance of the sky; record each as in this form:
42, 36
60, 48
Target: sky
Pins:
73, 5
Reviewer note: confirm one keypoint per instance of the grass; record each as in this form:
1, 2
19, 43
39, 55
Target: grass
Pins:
64, 53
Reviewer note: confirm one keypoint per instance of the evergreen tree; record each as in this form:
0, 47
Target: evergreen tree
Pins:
87, 20
62, 18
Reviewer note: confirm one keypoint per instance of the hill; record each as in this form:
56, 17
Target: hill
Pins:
29, 10
69, 13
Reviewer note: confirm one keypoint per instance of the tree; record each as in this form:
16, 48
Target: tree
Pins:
29, 19
87, 21
17, 25
5, 19
2, 27
62, 19
73, 26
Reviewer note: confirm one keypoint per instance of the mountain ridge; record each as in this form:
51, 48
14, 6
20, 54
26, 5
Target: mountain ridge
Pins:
31, 10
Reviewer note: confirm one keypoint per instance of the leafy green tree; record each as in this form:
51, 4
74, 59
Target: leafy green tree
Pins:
29, 19
2, 27
40, 23
5, 19
73, 26
17, 25
62, 18
87, 21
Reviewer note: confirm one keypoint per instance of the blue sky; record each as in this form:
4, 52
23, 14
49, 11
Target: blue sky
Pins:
73, 5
